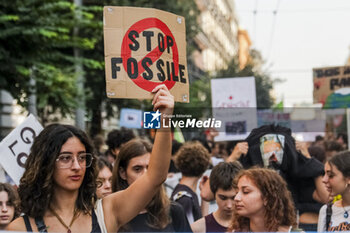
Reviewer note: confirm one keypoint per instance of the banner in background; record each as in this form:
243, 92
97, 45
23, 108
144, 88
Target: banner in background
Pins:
130, 118
234, 103
332, 86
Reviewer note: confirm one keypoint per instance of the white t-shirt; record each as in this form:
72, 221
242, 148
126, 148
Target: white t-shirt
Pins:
338, 222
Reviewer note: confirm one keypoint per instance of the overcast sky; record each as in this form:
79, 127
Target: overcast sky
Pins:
295, 36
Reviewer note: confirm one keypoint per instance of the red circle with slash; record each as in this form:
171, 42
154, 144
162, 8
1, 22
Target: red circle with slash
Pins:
154, 54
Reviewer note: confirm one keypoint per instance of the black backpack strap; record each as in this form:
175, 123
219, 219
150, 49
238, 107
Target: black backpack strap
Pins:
95, 226
27, 223
328, 215
39, 221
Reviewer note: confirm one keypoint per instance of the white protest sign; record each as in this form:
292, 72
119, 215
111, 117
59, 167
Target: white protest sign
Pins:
234, 103
15, 147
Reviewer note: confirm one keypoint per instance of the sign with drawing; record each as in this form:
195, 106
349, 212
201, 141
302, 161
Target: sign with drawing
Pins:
234, 103
144, 48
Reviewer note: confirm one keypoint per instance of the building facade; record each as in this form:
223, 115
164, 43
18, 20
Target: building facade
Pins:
218, 39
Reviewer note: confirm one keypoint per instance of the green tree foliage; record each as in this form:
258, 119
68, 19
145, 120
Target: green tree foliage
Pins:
95, 76
263, 82
36, 40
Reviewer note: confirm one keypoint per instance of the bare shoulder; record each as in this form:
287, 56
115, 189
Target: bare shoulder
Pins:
199, 226
17, 225
284, 229
109, 204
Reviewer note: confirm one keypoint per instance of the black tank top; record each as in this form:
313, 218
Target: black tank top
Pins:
212, 225
42, 227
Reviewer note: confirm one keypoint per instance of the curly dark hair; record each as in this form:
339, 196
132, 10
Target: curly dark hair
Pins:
13, 198
36, 185
279, 209
159, 207
192, 159
116, 138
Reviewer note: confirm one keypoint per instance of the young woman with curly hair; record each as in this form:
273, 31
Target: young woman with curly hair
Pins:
9, 205
160, 214
262, 203
57, 189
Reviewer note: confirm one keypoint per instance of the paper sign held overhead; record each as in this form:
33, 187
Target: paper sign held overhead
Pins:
234, 103
144, 48
15, 147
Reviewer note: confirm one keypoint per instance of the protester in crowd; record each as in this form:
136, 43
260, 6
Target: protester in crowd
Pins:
318, 153
57, 189
104, 177
210, 134
221, 185
115, 140
274, 147
240, 149
218, 153
332, 148
192, 160
9, 205
175, 147
342, 139
160, 214
336, 217
309, 200
262, 203
319, 141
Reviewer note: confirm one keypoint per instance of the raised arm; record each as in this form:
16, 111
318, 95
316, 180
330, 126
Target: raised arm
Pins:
119, 208
240, 148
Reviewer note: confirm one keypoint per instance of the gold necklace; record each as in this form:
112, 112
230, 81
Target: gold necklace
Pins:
75, 216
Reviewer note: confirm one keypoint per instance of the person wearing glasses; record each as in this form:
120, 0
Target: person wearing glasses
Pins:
57, 189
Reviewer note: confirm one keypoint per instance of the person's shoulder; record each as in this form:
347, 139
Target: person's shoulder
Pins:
284, 229
17, 225
176, 207
199, 225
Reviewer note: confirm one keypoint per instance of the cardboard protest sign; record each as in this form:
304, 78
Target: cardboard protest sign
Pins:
234, 103
332, 86
15, 147
144, 48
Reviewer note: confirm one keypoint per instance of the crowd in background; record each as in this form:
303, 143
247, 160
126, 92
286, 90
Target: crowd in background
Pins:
211, 186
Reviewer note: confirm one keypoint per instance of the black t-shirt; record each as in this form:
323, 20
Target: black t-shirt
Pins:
178, 223
184, 195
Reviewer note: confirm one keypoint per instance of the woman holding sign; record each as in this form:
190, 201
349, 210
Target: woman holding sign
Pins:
57, 189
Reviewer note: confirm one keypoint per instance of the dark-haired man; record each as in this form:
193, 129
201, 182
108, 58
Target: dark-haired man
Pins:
221, 184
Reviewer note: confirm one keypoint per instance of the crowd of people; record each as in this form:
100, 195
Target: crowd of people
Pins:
267, 183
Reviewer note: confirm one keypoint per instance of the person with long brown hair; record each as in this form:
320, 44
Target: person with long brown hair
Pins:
104, 177
9, 204
262, 203
160, 214
57, 189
